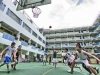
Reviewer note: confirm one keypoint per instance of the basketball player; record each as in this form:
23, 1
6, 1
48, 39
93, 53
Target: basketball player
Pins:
82, 58
54, 58
70, 59
10, 51
83, 65
44, 59
17, 53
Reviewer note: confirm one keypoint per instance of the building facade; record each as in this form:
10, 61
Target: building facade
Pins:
17, 26
88, 36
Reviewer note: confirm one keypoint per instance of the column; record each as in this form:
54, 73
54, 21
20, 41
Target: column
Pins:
36, 45
29, 41
0, 25
41, 47
18, 36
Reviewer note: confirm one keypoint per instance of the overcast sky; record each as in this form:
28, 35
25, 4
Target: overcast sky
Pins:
67, 14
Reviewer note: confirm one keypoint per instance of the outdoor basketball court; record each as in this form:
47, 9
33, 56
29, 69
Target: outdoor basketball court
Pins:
39, 69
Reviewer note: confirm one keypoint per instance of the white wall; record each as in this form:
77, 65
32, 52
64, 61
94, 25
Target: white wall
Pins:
5, 18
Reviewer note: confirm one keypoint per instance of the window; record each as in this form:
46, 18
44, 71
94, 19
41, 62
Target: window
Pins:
40, 38
27, 27
34, 34
2, 7
13, 16
43, 41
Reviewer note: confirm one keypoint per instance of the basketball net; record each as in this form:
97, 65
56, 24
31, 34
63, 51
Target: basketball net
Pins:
36, 12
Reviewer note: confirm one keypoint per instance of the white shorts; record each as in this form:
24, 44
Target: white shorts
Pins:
82, 61
54, 60
65, 61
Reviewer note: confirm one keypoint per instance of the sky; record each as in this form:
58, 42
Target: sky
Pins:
67, 14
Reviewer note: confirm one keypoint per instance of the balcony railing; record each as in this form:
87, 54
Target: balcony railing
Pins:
8, 36
24, 43
33, 47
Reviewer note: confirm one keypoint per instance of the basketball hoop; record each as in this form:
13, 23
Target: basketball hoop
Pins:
36, 12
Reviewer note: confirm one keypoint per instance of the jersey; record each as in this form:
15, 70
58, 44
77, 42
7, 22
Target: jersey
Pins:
54, 54
9, 51
81, 55
18, 52
70, 57
44, 57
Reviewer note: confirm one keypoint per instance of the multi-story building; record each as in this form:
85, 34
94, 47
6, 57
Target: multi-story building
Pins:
17, 26
88, 36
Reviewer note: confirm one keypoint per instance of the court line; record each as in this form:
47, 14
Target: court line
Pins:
47, 71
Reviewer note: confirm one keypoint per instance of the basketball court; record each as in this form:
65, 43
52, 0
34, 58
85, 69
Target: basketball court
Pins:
39, 69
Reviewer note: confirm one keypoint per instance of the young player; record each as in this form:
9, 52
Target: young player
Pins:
83, 65
49, 60
17, 53
44, 59
70, 59
54, 58
10, 50
82, 58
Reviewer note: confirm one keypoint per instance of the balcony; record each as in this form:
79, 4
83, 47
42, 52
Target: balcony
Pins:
52, 40
33, 47
24, 43
8, 37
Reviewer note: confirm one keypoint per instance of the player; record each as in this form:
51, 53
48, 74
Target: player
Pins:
10, 50
82, 58
17, 53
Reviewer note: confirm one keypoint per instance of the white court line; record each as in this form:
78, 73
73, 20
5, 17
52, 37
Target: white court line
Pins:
51, 67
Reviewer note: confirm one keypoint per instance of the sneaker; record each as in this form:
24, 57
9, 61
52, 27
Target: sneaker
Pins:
97, 69
91, 74
14, 68
8, 71
69, 71
11, 65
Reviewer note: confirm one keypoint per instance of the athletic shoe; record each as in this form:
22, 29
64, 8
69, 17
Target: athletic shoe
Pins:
11, 65
69, 71
8, 71
91, 74
97, 69
14, 68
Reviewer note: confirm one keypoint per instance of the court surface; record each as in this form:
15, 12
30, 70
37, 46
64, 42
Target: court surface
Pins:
39, 69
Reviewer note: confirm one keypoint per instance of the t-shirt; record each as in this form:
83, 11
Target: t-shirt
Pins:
70, 57
81, 55
18, 52
9, 51
44, 57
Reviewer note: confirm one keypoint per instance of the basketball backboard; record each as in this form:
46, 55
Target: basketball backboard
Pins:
24, 4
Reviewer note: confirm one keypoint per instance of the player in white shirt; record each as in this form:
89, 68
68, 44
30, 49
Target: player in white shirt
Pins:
82, 58
10, 50
44, 59
70, 59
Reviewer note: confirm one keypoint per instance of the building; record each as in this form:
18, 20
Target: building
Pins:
88, 36
17, 26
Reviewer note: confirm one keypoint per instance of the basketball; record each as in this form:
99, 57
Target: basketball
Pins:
50, 26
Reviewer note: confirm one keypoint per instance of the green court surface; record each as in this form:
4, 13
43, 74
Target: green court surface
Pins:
39, 69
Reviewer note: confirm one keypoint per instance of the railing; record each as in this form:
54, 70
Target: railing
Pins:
33, 47
8, 36
24, 43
